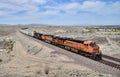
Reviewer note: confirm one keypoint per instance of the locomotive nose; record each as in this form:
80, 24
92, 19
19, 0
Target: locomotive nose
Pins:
96, 49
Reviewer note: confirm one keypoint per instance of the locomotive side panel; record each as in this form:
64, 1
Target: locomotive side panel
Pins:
79, 46
48, 38
58, 40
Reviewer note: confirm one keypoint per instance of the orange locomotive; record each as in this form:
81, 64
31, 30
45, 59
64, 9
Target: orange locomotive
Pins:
88, 48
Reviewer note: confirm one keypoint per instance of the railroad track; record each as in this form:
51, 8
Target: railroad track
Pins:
111, 64
114, 65
111, 58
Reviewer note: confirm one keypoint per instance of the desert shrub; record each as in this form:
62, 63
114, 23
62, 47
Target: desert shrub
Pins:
82, 32
47, 69
27, 66
90, 31
12, 55
0, 60
38, 72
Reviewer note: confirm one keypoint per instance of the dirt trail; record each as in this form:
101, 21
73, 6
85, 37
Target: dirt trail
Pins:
23, 58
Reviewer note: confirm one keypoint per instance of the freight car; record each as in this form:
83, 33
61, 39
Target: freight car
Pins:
27, 32
87, 48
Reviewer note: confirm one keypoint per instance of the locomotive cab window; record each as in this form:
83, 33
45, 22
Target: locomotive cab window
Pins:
92, 44
86, 44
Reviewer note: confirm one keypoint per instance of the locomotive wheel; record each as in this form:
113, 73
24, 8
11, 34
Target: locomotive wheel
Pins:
100, 56
96, 57
66, 47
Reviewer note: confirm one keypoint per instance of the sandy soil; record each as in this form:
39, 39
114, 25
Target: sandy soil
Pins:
32, 59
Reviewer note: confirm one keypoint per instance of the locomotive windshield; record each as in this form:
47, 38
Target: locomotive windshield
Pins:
92, 44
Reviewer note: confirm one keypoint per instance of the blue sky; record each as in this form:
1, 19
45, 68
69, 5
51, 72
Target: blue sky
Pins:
60, 12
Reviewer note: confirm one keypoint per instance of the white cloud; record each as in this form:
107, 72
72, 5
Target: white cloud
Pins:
115, 7
40, 1
27, 1
9, 7
98, 7
18, 1
71, 6
101, 7
68, 8
93, 6
51, 12
2, 13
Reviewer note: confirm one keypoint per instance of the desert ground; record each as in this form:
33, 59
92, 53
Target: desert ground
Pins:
21, 56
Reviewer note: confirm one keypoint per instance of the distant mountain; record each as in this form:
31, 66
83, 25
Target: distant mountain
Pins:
59, 25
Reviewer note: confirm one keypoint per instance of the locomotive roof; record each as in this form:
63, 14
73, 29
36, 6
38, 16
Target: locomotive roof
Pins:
71, 39
65, 38
79, 41
59, 37
38, 33
49, 35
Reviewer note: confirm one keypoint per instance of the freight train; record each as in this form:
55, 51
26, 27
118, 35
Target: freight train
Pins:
87, 48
